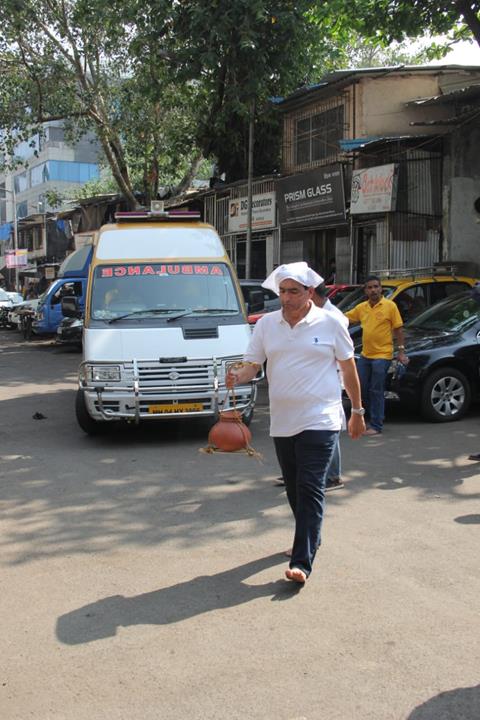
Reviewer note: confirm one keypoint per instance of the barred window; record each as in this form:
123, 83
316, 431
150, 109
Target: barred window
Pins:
316, 137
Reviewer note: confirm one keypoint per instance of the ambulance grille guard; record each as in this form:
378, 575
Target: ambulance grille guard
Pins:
153, 389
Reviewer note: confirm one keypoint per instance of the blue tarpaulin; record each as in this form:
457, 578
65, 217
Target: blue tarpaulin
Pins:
5, 231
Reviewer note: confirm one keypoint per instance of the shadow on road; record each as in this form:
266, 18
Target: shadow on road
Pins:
203, 594
64, 492
472, 519
458, 704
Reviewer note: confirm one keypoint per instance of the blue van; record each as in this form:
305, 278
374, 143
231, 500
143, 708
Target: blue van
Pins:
71, 282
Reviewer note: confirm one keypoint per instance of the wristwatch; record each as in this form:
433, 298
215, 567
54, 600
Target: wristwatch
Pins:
358, 411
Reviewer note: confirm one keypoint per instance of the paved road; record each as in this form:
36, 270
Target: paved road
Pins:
143, 580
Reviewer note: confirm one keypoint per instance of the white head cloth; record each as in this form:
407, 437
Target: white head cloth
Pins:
298, 271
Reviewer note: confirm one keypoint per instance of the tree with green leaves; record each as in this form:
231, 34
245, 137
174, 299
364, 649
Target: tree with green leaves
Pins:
162, 84
72, 60
387, 21
236, 54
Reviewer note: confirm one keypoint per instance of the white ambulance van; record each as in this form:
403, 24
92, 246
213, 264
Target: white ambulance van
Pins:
164, 316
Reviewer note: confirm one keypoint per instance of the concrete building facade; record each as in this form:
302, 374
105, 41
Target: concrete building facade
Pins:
407, 129
27, 221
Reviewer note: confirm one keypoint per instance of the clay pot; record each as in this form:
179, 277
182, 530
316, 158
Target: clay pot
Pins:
229, 433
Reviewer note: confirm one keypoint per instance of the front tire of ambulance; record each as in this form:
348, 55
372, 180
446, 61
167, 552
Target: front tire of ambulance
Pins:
86, 422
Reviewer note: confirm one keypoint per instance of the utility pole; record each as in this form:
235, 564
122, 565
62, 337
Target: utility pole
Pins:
15, 233
248, 248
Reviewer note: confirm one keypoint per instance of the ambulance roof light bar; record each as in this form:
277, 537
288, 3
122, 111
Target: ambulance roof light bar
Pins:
157, 212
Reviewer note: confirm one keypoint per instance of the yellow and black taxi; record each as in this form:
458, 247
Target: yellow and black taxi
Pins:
412, 293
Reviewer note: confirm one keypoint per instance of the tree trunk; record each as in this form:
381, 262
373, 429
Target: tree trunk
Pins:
186, 181
123, 182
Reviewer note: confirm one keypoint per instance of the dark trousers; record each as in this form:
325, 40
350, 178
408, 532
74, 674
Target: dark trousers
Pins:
304, 460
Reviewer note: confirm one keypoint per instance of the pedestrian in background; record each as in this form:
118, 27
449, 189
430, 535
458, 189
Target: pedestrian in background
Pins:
334, 471
302, 345
381, 322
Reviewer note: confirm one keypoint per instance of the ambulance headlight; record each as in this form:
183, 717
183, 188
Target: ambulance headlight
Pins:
103, 373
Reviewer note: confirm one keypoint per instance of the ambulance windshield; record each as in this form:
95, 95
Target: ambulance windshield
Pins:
145, 290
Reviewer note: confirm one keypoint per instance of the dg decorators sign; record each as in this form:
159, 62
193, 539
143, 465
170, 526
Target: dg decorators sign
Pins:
316, 196
263, 213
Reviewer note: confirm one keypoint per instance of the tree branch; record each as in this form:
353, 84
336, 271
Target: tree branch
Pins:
465, 8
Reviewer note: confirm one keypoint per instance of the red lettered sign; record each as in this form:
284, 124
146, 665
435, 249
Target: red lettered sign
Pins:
160, 270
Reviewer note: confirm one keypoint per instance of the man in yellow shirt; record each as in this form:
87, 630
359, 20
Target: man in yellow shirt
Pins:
381, 322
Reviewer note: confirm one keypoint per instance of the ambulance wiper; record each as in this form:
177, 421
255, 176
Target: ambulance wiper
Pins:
200, 311
153, 311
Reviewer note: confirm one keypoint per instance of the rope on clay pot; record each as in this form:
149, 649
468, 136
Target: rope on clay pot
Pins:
240, 436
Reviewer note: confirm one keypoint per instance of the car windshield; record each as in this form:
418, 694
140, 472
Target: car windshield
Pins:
351, 299
340, 295
455, 314
137, 291
358, 295
15, 297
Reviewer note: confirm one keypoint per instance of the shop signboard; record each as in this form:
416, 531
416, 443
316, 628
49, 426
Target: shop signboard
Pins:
374, 190
312, 198
16, 258
263, 213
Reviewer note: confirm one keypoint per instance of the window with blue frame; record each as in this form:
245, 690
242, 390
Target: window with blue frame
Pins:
76, 172
65, 171
39, 174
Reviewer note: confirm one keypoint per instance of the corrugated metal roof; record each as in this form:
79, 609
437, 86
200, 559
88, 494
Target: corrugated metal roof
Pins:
341, 76
463, 95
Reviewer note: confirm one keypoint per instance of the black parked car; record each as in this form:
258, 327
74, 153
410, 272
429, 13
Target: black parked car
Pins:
443, 345
70, 332
252, 289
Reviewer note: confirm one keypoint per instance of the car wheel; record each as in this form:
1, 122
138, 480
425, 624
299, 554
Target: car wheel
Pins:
27, 329
86, 422
446, 395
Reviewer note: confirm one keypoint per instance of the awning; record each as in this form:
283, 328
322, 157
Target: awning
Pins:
350, 145
28, 270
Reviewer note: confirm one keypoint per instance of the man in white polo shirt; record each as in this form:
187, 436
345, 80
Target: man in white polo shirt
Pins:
302, 344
